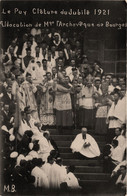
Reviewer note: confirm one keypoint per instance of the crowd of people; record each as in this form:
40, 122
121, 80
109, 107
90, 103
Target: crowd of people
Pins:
47, 81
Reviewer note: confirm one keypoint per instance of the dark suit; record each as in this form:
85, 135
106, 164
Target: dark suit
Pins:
26, 60
9, 101
6, 120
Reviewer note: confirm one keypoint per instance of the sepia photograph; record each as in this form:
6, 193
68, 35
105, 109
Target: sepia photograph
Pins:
63, 98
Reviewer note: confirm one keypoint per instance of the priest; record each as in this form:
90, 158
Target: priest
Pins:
85, 146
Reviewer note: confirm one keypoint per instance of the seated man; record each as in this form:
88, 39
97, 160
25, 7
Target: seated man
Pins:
45, 146
85, 146
121, 140
113, 157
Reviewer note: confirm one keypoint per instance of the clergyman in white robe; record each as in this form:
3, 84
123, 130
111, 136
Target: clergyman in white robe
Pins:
116, 111
86, 146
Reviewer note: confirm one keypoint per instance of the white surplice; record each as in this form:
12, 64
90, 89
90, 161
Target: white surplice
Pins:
56, 176
116, 155
46, 168
45, 148
90, 151
72, 181
41, 179
116, 111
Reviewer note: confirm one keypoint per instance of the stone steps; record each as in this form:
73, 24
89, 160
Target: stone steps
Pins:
77, 162
68, 143
72, 137
74, 132
66, 155
89, 172
92, 176
95, 186
88, 169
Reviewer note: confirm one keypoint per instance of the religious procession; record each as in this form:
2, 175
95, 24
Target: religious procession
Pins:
48, 91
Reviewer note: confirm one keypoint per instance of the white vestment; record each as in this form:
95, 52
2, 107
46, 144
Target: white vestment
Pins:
41, 179
90, 151
121, 141
56, 176
72, 181
117, 112
23, 127
45, 148
116, 155
46, 168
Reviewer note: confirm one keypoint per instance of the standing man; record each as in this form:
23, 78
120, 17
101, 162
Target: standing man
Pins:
26, 60
88, 104
116, 116
62, 104
30, 91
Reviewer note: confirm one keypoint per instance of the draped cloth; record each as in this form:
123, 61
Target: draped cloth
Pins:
90, 151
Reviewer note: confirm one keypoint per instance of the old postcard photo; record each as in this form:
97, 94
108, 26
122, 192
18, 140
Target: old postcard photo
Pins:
63, 98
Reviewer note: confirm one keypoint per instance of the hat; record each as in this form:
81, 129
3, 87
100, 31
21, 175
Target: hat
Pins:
27, 110
97, 79
28, 49
38, 62
28, 157
13, 69
116, 90
4, 128
23, 162
74, 69
1, 95
29, 133
109, 75
14, 154
28, 74
19, 158
46, 132
12, 138
31, 146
